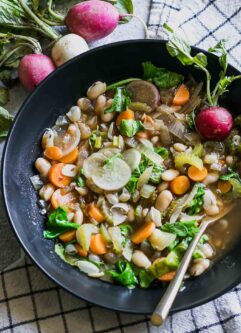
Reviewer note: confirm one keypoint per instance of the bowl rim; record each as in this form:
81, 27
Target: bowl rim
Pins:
4, 190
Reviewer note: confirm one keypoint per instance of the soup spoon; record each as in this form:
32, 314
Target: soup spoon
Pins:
163, 307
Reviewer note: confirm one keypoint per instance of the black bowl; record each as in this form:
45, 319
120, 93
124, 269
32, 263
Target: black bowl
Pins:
52, 98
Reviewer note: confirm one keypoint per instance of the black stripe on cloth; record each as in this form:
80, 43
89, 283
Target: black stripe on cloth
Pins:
218, 314
193, 319
148, 324
91, 318
32, 297
123, 326
28, 294
2, 329
220, 26
223, 321
233, 47
16, 268
167, 5
224, 15
119, 322
7, 303
200, 12
62, 311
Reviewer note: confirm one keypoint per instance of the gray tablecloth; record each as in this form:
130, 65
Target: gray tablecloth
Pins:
29, 302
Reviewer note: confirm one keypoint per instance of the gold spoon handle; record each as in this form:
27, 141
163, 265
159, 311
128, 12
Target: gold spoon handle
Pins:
163, 307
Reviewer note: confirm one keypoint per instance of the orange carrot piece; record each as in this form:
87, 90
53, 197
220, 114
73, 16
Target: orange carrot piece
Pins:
167, 277
56, 177
68, 236
180, 185
224, 186
59, 199
143, 232
94, 212
197, 175
71, 157
98, 244
125, 115
80, 250
182, 96
53, 153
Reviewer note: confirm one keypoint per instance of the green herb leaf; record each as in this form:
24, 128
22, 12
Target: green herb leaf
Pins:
157, 171
6, 120
124, 7
126, 230
196, 204
79, 181
124, 274
182, 229
121, 101
221, 51
130, 127
230, 175
145, 278
163, 152
161, 77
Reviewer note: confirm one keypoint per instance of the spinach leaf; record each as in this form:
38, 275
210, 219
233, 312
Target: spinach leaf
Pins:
124, 274
182, 229
121, 101
79, 181
145, 278
163, 152
161, 77
58, 223
196, 204
126, 230
230, 175
131, 185
190, 121
130, 127
157, 171
6, 120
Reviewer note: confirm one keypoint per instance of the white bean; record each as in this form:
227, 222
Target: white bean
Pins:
84, 104
96, 90
229, 160
112, 198
211, 178
78, 217
155, 139
106, 117
70, 216
84, 131
43, 166
140, 259
125, 196
169, 175
163, 186
82, 190
46, 191
212, 210
100, 104
207, 250
144, 212
163, 200
74, 113
131, 214
180, 147
199, 266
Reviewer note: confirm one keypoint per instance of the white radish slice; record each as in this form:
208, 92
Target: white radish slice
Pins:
70, 170
108, 152
113, 177
92, 163
87, 267
132, 158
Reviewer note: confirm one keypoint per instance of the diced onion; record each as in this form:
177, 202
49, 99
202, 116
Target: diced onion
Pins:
36, 182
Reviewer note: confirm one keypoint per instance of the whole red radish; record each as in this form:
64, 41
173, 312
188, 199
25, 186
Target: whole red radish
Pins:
92, 19
33, 69
214, 123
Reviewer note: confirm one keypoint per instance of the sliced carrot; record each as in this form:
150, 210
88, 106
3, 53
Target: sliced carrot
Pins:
56, 177
53, 153
197, 175
182, 96
71, 157
98, 244
94, 212
125, 115
167, 277
58, 199
180, 185
143, 233
68, 236
142, 135
80, 250
224, 186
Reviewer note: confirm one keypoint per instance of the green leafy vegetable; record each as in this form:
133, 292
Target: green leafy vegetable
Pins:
121, 101
120, 83
95, 139
79, 181
145, 278
6, 120
182, 229
196, 204
163, 152
4, 96
59, 250
124, 274
130, 127
231, 174
161, 77
58, 223
157, 171
236, 188
190, 121
180, 49
123, 7
126, 230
